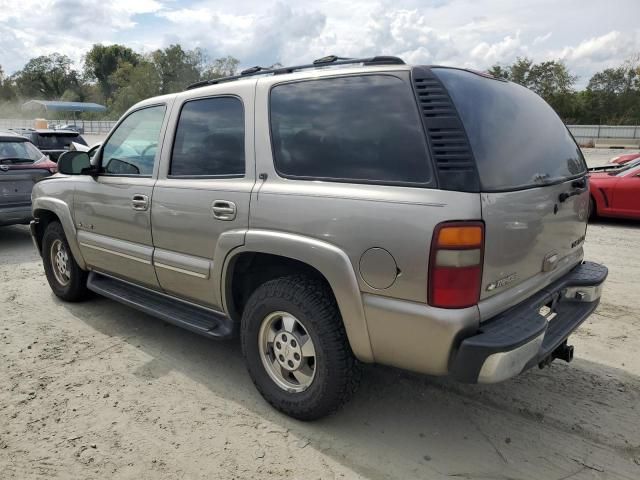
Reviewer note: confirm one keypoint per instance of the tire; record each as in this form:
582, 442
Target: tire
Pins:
336, 372
74, 288
593, 212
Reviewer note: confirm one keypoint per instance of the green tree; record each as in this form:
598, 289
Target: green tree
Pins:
220, 67
101, 61
177, 68
47, 76
613, 95
7, 92
133, 83
550, 79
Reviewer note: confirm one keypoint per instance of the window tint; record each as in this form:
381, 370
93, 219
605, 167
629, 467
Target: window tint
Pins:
54, 141
518, 141
209, 138
363, 128
131, 149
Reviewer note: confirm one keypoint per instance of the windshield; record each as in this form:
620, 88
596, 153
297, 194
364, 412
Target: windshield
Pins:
19, 151
57, 141
518, 140
635, 164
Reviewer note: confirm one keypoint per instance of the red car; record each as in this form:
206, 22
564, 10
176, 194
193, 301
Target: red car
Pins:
615, 191
626, 158
21, 166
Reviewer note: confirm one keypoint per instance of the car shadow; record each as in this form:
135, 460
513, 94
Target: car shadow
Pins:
615, 222
16, 245
553, 423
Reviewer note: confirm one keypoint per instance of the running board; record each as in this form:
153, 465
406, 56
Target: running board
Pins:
172, 310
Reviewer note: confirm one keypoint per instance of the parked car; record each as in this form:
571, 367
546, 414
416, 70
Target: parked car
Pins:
21, 166
375, 212
51, 141
615, 192
625, 158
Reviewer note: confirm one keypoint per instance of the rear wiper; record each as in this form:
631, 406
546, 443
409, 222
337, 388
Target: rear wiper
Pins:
580, 186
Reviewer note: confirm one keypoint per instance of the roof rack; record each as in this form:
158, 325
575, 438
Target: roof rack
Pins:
327, 61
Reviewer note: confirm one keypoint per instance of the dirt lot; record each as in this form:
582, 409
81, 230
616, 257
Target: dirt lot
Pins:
97, 390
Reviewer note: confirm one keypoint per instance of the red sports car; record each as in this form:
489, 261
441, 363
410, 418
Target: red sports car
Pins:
615, 191
626, 158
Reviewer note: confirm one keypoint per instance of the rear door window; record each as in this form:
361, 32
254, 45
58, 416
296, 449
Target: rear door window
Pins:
209, 139
518, 141
356, 129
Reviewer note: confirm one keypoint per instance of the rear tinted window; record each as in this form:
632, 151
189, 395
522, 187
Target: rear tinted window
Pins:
360, 128
53, 141
209, 139
18, 150
518, 141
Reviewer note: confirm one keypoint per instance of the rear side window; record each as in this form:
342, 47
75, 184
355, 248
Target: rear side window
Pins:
361, 129
518, 141
209, 139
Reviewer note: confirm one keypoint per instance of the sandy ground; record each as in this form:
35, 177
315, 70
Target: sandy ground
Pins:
97, 390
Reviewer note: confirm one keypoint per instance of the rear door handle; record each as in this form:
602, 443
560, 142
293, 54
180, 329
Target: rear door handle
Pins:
140, 202
223, 210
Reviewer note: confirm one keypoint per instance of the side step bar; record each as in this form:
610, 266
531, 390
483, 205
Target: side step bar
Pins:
203, 321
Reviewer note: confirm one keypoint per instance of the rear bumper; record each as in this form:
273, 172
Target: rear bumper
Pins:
15, 215
522, 337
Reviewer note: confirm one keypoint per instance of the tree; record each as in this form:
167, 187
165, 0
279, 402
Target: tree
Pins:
47, 76
550, 79
220, 67
7, 92
613, 95
102, 61
177, 68
133, 83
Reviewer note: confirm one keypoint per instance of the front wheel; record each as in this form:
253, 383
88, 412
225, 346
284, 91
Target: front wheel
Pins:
67, 280
296, 348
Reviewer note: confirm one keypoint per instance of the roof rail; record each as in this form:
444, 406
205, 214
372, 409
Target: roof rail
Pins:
327, 61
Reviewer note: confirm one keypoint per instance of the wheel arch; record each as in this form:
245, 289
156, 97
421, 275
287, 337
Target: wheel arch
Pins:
274, 254
46, 210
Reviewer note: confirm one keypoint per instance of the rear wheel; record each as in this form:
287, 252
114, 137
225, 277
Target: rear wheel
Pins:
296, 349
67, 280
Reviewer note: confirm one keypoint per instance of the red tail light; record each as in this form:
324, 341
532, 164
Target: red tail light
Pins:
455, 264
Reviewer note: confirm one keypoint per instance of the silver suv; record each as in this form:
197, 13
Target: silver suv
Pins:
347, 211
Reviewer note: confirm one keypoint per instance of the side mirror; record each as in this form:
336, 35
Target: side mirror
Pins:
74, 163
121, 167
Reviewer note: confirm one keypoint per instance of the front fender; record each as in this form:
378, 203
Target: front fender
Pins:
61, 209
331, 262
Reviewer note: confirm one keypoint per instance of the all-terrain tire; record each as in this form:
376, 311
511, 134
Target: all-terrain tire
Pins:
337, 372
75, 288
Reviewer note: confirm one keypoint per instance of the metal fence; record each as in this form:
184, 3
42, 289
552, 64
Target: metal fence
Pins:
593, 133
99, 127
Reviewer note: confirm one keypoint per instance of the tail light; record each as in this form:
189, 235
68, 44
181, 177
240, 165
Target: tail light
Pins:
455, 264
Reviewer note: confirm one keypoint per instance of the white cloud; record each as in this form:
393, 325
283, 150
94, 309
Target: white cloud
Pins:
473, 33
502, 51
541, 38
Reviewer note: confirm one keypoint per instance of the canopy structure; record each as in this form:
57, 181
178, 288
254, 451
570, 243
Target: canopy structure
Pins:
56, 106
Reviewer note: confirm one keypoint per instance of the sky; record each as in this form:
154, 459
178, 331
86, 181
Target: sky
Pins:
589, 35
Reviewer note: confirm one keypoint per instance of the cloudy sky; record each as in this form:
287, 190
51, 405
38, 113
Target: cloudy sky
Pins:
588, 34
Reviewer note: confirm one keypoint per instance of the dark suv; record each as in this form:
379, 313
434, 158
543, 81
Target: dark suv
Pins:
51, 142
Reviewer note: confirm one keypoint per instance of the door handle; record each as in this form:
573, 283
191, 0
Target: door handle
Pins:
140, 202
223, 210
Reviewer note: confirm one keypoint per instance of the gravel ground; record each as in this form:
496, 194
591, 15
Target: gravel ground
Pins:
97, 390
